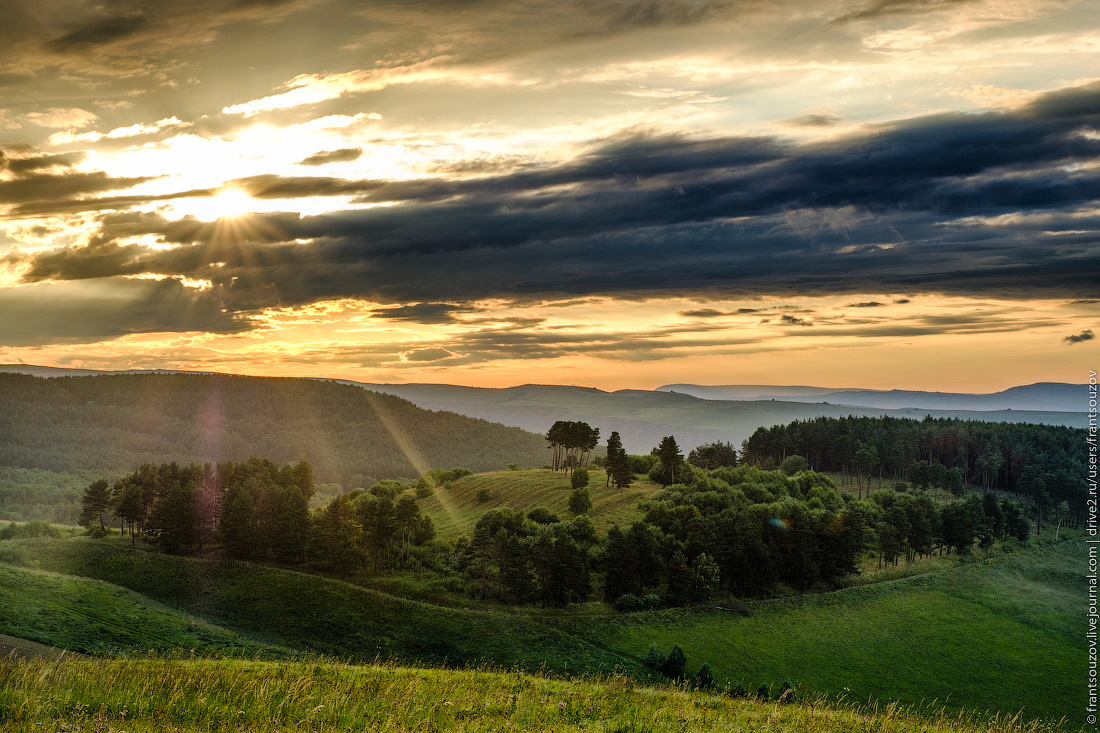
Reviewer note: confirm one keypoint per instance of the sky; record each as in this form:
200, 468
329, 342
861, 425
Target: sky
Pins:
610, 193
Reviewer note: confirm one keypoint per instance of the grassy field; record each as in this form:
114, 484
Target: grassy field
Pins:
455, 510
158, 695
99, 618
1000, 634
281, 608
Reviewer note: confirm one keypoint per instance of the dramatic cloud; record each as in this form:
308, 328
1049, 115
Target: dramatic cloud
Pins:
916, 204
476, 174
85, 312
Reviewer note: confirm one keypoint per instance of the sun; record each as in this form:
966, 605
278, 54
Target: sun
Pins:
229, 202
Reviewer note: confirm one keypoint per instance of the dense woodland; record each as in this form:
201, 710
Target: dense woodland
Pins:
1043, 464
347, 434
718, 527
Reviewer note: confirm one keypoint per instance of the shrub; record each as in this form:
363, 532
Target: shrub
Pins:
484, 495
793, 464
423, 491
763, 691
786, 692
651, 600
36, 528
676, 664
627, 602
579, 479
738, 690
654, 659
542, 515
579, 501
704, 680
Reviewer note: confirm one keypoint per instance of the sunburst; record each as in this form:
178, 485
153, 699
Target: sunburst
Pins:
229, 202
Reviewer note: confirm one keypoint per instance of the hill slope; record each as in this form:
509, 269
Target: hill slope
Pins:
122, 421
310, 613
1000, 634
455, 510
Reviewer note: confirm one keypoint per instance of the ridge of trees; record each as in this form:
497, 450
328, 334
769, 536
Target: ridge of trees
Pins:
1043, 464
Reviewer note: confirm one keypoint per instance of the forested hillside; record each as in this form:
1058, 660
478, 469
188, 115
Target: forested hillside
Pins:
348, 435
1044, 464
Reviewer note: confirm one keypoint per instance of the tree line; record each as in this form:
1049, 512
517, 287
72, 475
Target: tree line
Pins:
719, 526
258, 510
1042, 464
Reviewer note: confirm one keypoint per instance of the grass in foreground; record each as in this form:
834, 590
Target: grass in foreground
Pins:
139, 695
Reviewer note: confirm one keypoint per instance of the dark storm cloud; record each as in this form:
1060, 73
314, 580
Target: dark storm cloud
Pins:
794, 321
918, 205
45, 186
1087, 335
270, 186
81, 312
343, 155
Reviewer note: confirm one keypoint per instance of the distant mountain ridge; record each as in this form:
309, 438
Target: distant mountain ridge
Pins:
1042, 396
643, 417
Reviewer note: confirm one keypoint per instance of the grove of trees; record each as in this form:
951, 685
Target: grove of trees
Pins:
717, 526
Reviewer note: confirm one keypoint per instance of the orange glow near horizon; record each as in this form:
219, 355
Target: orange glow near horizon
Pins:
935, 343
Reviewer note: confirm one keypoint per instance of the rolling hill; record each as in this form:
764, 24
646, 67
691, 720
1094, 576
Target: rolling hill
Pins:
348, 434
998, 634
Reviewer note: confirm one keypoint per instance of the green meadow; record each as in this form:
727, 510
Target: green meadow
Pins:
998, 633
1003, 633
455, 508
